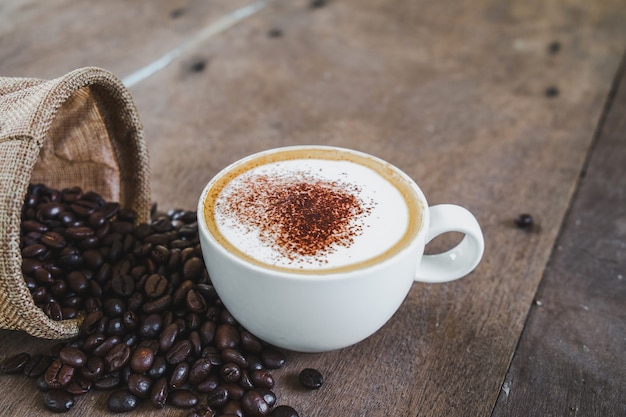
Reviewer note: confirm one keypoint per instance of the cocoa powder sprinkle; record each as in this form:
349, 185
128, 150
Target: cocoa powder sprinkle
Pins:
298, 215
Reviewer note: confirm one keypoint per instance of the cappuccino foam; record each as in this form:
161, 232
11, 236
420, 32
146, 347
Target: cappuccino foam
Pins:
311, 213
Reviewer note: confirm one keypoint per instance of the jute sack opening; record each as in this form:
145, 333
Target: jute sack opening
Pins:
81, 129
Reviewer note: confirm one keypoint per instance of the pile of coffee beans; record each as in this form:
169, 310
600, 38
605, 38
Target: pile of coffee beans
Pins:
154, 329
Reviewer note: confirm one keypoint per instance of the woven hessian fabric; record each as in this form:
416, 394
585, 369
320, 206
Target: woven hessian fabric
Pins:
81, 129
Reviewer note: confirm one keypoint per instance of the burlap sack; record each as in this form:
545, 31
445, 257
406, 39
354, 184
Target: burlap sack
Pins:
80, 129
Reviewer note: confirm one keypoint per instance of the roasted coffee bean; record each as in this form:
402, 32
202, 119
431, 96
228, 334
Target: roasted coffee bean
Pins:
123, 285
73, 357
142, 359
272, 358
139, 385
254, 404
93, 341
159, 393
218, 397
232, 408
179, 352
202, 411
93, 258
117, 357
50, 210
30, 265
310, 378
69, 313
41, 384
200, 371
180, 295
196, 343
284, 411
37, 365
83, 208
70, 257
34, 226
183, 399
213, 355
58, 375
130, 320
114, 307
227, 318
230, 372
79, 386
524, 221
158, 306
168, 337
109, 209
193, 321
268, 396
34, 250
207, 332
244, 380
250, 343
14, 364
235, 356
69, 195
262, 378
58, 401
226, 336
209, 384
150, 326
195, 302
122, 401
39, 295
77, 233
160, 254
90, 322
44, 277
107, 382
155, 286
159, 368
53, 240
106, 346
179, 376
116, 327
93, 369
193, 268
96, 219
235, 391
53, 310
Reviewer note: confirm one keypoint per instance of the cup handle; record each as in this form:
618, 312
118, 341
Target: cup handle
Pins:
460, 260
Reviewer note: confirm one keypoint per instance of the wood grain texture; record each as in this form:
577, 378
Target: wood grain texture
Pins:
571, 357
44, 39
453, 93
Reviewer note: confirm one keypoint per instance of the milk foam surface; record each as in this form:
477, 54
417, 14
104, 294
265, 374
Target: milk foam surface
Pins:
381, 224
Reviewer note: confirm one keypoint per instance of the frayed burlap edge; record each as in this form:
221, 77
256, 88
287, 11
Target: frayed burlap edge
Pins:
27, 109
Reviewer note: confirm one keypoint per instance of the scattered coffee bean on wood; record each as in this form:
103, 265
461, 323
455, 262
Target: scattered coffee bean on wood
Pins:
316, 4
311, 378
552, 92
154, 331
275, 33
524, 221
58, 401
284, 411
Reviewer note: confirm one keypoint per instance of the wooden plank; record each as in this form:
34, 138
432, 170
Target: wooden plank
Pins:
455, 96
453, 93
577, 326
46, 39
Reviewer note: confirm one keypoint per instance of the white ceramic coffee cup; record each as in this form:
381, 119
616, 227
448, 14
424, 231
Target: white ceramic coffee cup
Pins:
331, 309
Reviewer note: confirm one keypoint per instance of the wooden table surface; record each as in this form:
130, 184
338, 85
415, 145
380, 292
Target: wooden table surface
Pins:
504, 107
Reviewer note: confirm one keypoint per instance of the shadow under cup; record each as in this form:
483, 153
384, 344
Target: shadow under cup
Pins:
309, 301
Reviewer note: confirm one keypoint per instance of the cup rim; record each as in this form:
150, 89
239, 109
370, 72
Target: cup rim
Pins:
316, 274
